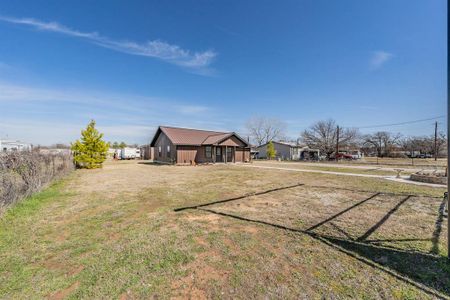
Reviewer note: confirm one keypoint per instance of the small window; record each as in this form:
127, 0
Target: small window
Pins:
208, 151
159, 150
168, 151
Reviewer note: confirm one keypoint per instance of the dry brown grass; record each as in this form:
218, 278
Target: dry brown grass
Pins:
112, 233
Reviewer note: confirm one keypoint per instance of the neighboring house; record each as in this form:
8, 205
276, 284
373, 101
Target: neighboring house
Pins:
189, 146
289, 151
254, 152
355, 153
10, 145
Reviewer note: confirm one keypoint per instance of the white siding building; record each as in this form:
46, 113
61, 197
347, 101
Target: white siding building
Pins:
289, 151
10, 145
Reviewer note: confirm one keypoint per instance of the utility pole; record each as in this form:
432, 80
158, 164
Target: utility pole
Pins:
448, 149
337, 144
435, 141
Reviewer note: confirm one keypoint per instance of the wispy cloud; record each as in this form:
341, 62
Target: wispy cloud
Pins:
28, 130
379, 58
46, 115
191, 109
198, 62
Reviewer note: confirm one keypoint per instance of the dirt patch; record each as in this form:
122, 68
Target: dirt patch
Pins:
54, 263
195, 284
75, 271
201, 241
65, 292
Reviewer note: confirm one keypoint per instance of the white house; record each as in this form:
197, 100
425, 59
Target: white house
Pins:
289, 151
10, 145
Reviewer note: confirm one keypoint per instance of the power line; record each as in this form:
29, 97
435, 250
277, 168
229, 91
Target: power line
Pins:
401, 123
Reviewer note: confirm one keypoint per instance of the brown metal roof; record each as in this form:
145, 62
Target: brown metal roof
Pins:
215, 139
188, 136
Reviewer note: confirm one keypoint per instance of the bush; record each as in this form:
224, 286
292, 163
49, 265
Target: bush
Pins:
91, 151
271, 152
24, 173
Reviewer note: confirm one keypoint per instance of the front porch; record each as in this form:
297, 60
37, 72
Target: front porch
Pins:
224, 154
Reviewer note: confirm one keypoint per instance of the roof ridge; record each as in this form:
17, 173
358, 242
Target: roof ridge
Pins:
173, 127
220, 133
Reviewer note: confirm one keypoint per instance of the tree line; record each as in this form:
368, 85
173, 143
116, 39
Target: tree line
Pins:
328, 137
117, 145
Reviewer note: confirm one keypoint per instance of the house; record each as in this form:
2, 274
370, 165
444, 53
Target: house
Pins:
193, 146
289, 151
10, 145
253, 152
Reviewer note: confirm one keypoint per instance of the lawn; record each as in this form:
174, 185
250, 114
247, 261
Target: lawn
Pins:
113, 233
342, 167
440, 163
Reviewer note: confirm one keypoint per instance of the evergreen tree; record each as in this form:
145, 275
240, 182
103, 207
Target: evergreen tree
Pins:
271, 152
115, 145
91, 151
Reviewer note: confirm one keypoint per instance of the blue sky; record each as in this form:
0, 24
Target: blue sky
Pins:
133, 65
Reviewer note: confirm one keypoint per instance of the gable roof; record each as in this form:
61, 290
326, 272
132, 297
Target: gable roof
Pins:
194, 137
216, 138
292, 145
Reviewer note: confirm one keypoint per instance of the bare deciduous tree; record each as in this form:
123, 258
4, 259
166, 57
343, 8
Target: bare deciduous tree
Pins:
264, 130
382, 141
425, 144
441, 143
323, 136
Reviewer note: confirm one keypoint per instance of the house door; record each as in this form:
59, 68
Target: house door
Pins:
219, 154
229, 154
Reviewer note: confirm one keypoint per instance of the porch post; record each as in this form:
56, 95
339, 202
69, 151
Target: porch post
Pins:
213, 150
226, 154
234, 154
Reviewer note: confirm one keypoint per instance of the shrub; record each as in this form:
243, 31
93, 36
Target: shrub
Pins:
24, 173
271, 152
91, 151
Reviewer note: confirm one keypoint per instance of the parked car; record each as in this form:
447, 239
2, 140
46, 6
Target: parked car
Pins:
344, 156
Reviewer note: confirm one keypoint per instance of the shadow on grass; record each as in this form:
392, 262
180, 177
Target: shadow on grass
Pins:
238, 197
151, 163
438, 228
383, 219
425, 269
429, 272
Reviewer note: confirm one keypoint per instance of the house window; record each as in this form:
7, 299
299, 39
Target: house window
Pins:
208, 151
159, 150
168, 151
